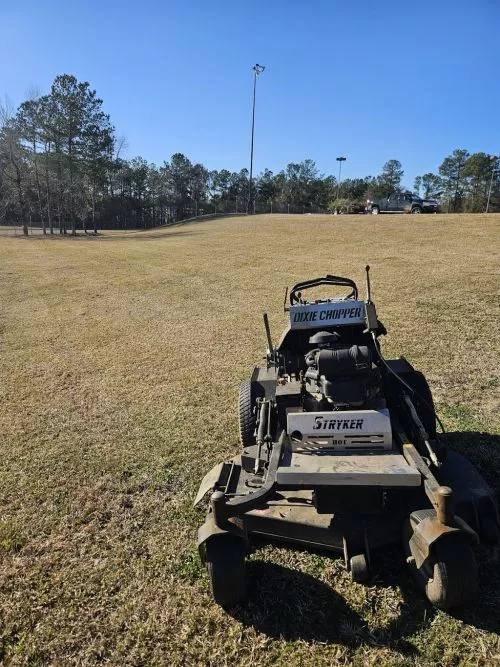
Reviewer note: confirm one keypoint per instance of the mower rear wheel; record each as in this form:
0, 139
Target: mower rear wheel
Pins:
225, 557
250, 391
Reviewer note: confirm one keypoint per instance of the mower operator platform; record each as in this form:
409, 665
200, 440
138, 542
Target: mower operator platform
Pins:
321, 469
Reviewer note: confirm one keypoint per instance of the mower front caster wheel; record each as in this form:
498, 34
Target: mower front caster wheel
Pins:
454, 576
449, 579
360, 571
225, 558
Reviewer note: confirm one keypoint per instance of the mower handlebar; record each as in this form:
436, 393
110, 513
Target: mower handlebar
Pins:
327, 280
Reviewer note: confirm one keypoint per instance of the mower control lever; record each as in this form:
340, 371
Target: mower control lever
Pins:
422, 432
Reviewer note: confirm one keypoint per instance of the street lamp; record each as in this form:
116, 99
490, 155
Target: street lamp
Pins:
340, 160
257, 71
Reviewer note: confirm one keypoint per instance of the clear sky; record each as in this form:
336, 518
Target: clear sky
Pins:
367, 79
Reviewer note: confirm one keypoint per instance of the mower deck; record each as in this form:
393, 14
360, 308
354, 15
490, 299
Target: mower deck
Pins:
289, 514
292, 517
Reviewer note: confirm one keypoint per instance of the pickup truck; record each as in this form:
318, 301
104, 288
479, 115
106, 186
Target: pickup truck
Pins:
401, 202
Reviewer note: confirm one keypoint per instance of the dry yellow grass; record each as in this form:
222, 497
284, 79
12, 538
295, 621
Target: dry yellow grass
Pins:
120, 360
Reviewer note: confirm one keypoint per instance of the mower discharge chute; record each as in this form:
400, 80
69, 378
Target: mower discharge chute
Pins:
339, 451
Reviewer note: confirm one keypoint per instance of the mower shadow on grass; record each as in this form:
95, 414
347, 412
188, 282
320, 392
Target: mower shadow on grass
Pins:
291, 605
416, 612
485, 613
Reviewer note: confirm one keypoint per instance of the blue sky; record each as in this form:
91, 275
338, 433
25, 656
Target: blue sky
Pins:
369, 80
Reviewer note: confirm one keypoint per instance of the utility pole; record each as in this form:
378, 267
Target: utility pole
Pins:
340, 160
493, 169
257, 71
460, 165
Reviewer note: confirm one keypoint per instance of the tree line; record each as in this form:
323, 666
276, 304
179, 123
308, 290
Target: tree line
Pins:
61, 167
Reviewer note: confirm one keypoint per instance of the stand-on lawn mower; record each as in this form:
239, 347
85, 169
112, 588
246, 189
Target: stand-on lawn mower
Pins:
340, 451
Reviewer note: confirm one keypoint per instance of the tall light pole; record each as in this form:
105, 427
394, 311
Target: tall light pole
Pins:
493, 169
257, 71
340, 160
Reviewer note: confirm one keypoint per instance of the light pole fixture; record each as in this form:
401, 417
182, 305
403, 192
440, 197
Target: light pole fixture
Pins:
340, 160
257, 71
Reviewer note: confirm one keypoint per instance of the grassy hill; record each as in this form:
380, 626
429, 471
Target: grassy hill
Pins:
120, 362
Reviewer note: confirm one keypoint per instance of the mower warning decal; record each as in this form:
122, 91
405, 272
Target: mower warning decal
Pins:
332, 313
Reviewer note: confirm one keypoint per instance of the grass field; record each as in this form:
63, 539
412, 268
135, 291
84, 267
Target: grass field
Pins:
120, 362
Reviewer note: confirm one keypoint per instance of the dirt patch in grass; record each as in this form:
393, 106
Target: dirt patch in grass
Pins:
120, 360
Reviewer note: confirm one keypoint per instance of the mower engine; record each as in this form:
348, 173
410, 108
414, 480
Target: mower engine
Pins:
338, 401
338, 375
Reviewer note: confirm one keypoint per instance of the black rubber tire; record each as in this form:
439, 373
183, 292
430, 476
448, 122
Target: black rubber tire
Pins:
360, 571
225, 558
374, 210
449, 578
488, 530
425, 408
454, 575
416, 210
249, 393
